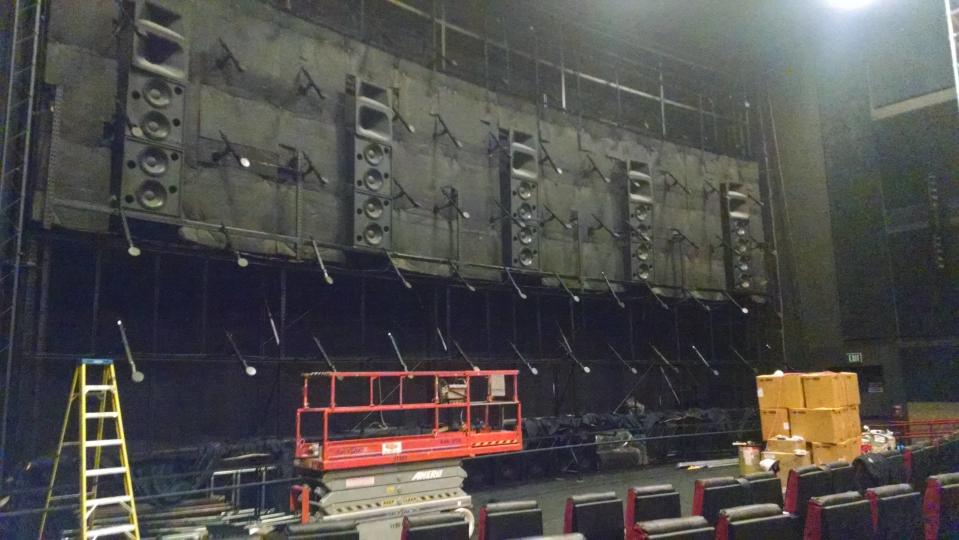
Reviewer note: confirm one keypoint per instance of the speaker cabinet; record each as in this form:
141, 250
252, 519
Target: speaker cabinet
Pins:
159, 45
738, 252
151, 177
641, 207
372, 126
519, 181
154, 108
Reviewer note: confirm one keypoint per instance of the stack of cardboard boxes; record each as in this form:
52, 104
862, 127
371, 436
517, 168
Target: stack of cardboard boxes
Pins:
809, 417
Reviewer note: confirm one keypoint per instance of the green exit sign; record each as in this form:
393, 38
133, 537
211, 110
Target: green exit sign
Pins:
854, 357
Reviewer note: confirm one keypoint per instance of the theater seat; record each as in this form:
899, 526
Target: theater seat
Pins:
595, 515
514, 519
321, 531
646, 503
921, 462
803, 484
756, 521
842, 475
949, 455
896, 512
445, 526
684, 528
570, 536
765, 488
842, 516
940, 507
710, 495
897, 467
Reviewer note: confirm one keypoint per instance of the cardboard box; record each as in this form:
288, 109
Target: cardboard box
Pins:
774, 422
826, 425
823, 390
788, 461
780, 391
853, 421
850, 387
785, 444
748, 457
827, 453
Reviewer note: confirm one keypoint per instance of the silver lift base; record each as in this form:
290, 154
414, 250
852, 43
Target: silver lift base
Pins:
377, 498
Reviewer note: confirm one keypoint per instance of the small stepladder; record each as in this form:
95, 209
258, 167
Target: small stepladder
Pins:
108, 410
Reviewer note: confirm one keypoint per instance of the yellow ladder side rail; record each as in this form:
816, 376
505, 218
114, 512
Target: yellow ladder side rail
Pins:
124, 459
74, 393
82, 368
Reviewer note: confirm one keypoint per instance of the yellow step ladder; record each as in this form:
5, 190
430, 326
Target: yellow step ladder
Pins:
108, 412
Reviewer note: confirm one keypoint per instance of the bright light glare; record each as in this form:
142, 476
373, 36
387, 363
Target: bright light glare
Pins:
848, 5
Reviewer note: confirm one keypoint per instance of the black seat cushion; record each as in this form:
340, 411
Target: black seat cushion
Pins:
510, 520
896, 512
940, 506
684, 528
323, 530
445, 526
843, 476
765, 488
711, 495
756, 521
842, 516
646, 503
594, 515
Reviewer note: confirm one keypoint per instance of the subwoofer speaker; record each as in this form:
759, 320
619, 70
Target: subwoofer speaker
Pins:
372, 126
519, 181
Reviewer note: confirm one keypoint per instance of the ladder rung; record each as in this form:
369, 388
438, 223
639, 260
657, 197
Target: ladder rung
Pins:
106, 471
98, 388
70, 443
108, 414
115, 529
104, 501
104, 442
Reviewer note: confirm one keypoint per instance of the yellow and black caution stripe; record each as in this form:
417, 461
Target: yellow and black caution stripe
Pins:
497, 442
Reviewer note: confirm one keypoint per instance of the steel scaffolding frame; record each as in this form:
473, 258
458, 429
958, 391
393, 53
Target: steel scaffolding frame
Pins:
14, 178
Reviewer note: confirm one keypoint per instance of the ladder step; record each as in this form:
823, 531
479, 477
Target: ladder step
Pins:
104, 442
99, 388
108, 414
115, 529
106, 471
104, 501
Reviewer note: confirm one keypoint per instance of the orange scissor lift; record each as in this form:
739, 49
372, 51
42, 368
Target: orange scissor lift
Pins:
374, 479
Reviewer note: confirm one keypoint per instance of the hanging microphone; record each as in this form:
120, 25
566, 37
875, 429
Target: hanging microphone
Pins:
136, 375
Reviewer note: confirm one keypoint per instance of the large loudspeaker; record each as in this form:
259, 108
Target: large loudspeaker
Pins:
159, 45
151, 177
641, 207
372, 126
155, 103
735, 218
519, 182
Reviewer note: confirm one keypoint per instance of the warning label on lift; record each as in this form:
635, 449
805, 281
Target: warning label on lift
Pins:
393, 447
